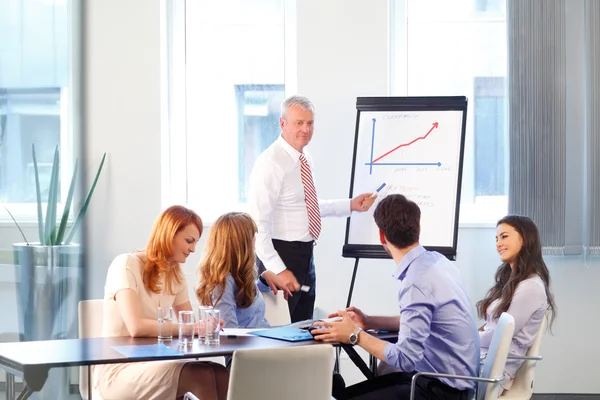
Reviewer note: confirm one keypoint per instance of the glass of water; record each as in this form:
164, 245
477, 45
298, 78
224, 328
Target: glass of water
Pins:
213, 327
165, 323
186, 328
202, 318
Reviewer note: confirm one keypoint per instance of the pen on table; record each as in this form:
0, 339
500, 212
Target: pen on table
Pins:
378, 190
232, 336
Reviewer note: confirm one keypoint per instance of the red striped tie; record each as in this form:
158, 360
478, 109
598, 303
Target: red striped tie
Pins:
310, 195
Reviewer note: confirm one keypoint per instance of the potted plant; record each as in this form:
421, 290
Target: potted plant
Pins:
49, 272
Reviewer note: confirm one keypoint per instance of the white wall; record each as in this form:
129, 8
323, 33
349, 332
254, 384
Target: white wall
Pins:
342, 53
335, 65
123, 118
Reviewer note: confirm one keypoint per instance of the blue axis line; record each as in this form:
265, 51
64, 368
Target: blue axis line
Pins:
372, 146
438, 164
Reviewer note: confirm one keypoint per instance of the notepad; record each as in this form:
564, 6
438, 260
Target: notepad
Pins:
147, 350
287, 333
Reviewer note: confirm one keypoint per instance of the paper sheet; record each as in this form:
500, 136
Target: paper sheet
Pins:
237, 331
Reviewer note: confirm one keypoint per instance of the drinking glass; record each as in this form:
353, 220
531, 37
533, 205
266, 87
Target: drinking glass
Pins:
213, 327
202, 322
165, 323
186, 328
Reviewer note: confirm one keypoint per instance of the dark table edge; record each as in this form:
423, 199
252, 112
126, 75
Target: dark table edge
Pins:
6, 363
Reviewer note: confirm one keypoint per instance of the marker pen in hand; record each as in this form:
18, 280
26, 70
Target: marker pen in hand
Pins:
378, 190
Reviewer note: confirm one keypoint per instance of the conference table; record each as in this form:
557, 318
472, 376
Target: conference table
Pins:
31, 361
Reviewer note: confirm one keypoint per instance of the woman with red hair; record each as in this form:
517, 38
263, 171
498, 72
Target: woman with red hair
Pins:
136, 284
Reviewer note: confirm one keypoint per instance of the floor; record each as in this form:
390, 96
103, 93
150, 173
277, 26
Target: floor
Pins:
566, 397
535, 397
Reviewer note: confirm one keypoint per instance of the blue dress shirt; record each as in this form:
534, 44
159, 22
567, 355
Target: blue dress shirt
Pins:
438, 330
237, 317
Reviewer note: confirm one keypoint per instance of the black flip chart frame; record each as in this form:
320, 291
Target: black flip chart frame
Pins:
452, 103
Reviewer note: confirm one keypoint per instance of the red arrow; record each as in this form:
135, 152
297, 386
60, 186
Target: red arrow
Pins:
435, 125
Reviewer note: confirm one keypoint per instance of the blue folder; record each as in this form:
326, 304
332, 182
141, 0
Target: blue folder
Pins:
147, 350
288, 333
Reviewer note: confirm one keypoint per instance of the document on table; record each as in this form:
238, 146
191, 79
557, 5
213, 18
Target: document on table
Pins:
236, 332
147, 350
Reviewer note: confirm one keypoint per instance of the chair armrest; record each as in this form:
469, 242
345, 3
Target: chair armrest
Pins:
532, 358
416, 376
190, 396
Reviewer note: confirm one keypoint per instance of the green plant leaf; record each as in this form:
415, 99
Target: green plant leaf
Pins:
39, 197
52, 200
65, 217
86, 202
17, 224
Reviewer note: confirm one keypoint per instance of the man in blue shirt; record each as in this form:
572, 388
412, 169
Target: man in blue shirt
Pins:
437, 327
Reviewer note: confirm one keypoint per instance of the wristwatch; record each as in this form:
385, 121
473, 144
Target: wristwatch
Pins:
354, 336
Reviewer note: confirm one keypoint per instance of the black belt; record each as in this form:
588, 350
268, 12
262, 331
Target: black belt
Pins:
298, 244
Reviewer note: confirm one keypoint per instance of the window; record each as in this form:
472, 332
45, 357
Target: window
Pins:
27, 117
442, 48
233, 63
258, 125
490, 136
35, 74
490, 6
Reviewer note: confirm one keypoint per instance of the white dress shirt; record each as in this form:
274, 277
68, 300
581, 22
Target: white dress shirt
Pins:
277, 201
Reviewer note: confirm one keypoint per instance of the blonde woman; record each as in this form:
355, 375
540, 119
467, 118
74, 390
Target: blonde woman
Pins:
228, 274
136, 284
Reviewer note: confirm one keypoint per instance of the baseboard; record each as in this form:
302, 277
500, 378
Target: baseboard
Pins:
73, 388
564, 396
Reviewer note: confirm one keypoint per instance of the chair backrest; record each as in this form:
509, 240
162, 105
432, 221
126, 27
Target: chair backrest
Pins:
291, 373
495, 361
276, 309
522, 386
91, 314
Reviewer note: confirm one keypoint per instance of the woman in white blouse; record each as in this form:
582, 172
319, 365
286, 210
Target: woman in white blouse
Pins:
522, 289
136, 284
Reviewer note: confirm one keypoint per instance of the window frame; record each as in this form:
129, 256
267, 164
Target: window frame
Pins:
174, 160
173, 84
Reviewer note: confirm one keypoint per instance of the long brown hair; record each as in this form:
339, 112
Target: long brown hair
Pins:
229, 250
160, 248
529, 261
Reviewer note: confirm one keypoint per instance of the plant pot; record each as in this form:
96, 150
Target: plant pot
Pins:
49, 285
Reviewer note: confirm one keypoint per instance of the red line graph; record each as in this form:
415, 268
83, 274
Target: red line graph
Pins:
435, 125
